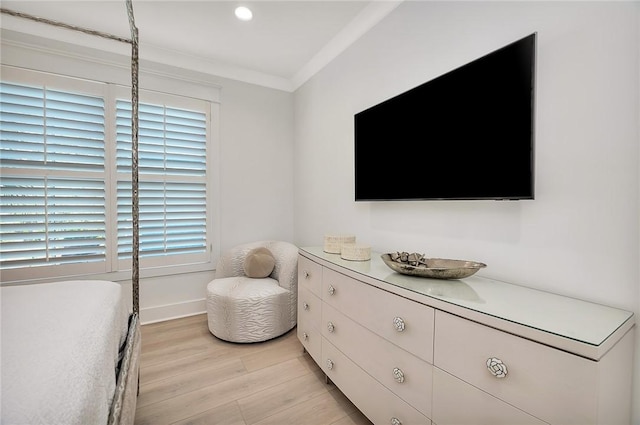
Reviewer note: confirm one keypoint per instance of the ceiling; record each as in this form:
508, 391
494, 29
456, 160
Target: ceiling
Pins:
284, 44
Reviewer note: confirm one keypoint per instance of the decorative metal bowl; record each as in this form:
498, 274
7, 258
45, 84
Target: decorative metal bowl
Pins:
435, 268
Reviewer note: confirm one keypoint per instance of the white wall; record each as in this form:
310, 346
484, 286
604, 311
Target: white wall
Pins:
256, 164
580, 236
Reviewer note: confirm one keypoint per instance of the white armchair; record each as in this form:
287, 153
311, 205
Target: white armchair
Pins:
245, 309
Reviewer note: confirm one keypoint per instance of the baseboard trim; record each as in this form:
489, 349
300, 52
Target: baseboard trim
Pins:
161, 313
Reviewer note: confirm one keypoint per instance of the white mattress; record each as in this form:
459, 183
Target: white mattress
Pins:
59, 351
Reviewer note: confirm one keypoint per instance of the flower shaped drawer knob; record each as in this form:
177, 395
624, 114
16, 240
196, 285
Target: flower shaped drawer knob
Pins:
395, 421
398, 375
496, 367
398, 323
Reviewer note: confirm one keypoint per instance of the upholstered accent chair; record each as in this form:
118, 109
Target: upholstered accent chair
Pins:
252, 309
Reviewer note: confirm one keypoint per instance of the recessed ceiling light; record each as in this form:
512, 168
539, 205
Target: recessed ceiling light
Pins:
243, 13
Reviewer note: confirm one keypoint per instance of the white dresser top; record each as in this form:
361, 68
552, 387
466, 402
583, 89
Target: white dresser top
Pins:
578, 326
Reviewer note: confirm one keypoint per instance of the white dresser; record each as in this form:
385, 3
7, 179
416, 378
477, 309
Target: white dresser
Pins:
409, 350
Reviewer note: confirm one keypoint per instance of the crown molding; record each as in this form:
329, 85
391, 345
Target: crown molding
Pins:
375, 12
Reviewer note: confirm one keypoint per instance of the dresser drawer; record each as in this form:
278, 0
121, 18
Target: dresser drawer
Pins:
401, 372
457, 403
310, 275
309, 307
405, 323
374, 400
311, 338
550, 384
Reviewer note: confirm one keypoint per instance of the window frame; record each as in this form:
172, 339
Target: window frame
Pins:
113, 268
153, 97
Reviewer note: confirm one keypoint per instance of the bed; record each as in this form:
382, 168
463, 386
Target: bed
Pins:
66, 347
70, 350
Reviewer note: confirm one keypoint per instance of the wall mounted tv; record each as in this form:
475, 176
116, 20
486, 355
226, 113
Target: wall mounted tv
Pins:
467, 134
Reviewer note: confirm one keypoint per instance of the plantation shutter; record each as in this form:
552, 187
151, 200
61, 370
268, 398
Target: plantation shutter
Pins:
52, 184
172, 180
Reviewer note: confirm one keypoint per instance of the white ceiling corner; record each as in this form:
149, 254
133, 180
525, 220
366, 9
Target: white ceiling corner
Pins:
368, 17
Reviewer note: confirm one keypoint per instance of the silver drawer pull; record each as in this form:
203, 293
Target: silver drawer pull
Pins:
330, 327
329, 364
398, 323
305, 305
331, 290
395, 421
496, 367
398, 375
305, 336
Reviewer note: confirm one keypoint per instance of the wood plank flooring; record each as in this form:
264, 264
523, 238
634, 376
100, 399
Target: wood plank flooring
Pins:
187, 376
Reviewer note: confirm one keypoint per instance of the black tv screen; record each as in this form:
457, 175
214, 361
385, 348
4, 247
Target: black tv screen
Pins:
467, 134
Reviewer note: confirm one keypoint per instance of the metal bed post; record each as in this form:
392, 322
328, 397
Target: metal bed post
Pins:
135, 210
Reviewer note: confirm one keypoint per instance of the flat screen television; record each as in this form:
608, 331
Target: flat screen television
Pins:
467, 134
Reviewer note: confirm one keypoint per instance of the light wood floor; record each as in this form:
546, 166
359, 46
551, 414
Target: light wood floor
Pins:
187, 376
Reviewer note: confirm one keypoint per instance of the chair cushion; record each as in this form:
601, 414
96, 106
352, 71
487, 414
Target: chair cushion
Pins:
259, 263
243, 309
241, 288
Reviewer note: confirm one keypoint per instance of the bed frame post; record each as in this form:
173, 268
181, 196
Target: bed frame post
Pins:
135, 210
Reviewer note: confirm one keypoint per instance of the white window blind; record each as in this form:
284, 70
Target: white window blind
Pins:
65, 178
172, 146
52, 188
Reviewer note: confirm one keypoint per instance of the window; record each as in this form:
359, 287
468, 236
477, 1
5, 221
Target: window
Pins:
65, 186
172, 180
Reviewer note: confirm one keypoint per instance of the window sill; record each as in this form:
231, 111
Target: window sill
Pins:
124, 276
